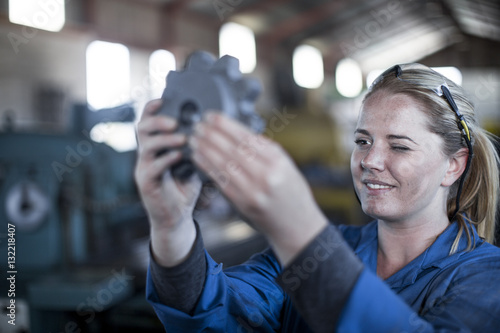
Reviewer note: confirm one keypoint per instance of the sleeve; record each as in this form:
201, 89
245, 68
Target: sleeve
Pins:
320, 279
180, 286
242, 298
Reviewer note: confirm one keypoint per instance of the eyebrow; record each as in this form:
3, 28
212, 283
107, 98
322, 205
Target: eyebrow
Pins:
400, 137
389, 136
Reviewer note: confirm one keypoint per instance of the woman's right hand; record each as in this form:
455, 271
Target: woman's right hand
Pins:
168, 201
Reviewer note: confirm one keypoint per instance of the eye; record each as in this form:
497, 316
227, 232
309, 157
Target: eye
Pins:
362, 142
400, 148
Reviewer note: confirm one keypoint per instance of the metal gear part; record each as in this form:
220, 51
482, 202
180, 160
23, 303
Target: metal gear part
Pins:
208, 84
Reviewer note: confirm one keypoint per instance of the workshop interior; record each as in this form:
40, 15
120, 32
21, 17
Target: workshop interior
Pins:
75, 76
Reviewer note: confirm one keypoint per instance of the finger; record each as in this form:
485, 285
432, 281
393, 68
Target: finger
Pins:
248, 143
151, 108
221, 171
207, 137
223, 161
154, 125
159, 143
217, 149
232, 128
148, 173
225, 153
213, 139
234, 184
190, 188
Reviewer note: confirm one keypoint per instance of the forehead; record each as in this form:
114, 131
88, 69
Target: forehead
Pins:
392, 112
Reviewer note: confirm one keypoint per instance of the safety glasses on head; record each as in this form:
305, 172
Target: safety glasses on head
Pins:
406, 73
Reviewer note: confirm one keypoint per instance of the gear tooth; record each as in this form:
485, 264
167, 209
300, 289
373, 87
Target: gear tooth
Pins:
228, 66
257, 124
200, 61
172, 77
171, 80
249, 117
246, 109
249, 89
167, 94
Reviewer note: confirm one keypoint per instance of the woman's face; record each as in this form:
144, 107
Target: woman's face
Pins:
397, 164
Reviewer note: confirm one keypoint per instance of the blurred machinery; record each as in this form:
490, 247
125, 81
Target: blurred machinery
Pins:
75, 209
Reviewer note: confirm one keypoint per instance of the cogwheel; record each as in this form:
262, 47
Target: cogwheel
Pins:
208, 84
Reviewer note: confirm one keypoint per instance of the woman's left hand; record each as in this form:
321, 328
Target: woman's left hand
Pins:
261, 180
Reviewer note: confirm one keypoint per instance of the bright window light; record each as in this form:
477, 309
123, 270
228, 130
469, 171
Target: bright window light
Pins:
120, 136
238, 41
372, 75
452, 73
40, 14
348, 78
308, 69
160, 63
108, 74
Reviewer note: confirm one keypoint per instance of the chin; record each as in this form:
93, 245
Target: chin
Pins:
376, 212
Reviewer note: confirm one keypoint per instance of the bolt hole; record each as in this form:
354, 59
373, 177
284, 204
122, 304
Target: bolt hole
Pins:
189, 113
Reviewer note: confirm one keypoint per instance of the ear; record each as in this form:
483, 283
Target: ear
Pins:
456, 167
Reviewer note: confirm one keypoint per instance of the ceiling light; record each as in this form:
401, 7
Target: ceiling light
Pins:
308, 69
348, 78
238, 41
46, 15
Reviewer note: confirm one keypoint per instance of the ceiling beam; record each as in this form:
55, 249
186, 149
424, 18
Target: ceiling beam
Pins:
174, 11
301, 22
260, 7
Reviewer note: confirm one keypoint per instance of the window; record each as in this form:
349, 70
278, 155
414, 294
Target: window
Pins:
308, 67
238, 41
348, 78
451, 73
108, 74
160, 63
108, 85
40, 14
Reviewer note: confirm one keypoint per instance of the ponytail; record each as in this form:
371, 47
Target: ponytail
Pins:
479, 200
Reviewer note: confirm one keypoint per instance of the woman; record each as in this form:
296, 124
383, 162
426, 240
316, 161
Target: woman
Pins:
422, 168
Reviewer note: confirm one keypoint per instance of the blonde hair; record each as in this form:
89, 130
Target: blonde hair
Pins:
479, 196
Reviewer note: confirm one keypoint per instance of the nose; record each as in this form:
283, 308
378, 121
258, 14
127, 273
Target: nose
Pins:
373, 159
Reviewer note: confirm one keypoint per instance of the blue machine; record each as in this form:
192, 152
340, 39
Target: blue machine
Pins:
74, 208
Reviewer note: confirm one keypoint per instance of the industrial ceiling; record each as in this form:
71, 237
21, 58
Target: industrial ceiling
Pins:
394, 30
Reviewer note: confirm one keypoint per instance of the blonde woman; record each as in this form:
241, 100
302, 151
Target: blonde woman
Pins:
422, 167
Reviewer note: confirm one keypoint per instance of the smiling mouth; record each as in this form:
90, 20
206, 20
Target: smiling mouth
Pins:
378, 186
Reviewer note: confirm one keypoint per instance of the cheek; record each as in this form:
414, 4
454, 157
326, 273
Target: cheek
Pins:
414, 176
355, 164
415, 165
405, 171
